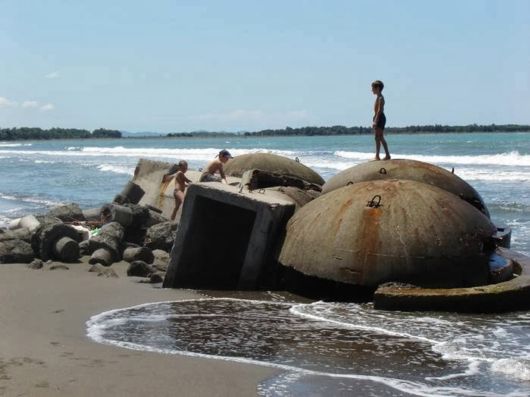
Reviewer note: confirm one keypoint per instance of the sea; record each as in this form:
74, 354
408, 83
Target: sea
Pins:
319, 348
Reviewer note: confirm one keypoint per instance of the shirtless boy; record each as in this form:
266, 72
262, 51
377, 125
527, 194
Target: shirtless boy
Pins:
216, 166
379, 120
181, 182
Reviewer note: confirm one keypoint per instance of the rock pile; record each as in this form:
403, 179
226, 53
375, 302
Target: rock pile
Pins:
128, 231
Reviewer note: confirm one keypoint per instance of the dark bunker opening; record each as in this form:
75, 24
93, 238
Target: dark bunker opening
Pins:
216, 245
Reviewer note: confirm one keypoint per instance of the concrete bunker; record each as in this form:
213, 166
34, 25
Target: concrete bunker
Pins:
374, 232
228, 238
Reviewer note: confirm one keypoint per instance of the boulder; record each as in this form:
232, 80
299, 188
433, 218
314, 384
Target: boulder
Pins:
84, 248
29, 222
101, 271
139, 269
68, 212
16, 251
161, 260
103, 256
21, 233
92, 214
154, 278
36, 264
161, 236
59, 266
132, 254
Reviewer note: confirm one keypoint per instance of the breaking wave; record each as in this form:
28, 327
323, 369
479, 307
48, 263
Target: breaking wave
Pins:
513, 158
117, 169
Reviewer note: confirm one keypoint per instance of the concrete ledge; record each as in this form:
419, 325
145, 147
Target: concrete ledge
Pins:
493, 298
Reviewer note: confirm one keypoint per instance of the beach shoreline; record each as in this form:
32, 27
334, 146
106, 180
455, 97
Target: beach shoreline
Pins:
45, 351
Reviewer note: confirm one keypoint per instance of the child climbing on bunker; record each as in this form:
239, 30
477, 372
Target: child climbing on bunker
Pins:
181, 182
215, 167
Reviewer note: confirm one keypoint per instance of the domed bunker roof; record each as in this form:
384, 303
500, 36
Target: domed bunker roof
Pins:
271, 163
374, 232
411, 170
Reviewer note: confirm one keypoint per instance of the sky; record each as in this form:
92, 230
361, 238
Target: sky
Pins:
174, 66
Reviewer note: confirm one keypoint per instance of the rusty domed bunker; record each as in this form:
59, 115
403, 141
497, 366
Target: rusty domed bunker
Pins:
374, 232
409, 170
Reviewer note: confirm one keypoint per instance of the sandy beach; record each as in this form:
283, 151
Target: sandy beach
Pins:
44, 350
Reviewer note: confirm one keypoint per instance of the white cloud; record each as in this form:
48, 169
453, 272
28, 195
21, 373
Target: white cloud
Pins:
47, 107
53, 75
30, 104
7, 103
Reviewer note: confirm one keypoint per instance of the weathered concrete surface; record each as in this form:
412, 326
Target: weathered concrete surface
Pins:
493, 298
131, 194
410, 170
228, 238
259, 179
373, 232
300, 197
148, 176
271, 163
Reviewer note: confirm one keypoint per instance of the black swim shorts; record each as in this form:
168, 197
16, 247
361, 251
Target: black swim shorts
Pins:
381, 122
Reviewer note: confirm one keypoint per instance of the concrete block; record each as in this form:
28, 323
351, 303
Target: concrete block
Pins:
228, 238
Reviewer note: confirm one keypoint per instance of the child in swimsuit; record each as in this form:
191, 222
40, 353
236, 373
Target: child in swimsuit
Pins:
379, 120
181, 182
216, 166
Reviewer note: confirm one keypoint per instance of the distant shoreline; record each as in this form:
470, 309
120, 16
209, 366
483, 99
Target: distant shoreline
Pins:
27, 133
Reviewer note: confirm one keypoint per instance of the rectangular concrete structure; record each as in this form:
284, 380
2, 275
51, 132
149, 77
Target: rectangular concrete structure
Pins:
228, 238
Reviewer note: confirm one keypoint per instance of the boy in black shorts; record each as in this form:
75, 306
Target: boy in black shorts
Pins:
379, 120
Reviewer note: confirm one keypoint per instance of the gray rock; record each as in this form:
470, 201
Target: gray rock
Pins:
101, 271
156, 278
161, 260
161, 236
35, 264
16, 234
68, 212
59, 266
138, 253
84, 248
16, 251
139, 269
102, 256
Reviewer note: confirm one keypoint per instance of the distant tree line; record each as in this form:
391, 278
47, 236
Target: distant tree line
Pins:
413, 129
28, 133
342, 130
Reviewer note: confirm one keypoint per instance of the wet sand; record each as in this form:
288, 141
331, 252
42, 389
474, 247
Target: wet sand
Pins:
44, 350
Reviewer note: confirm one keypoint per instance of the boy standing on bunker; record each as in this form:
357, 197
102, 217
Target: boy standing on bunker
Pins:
181, 182
379, 120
